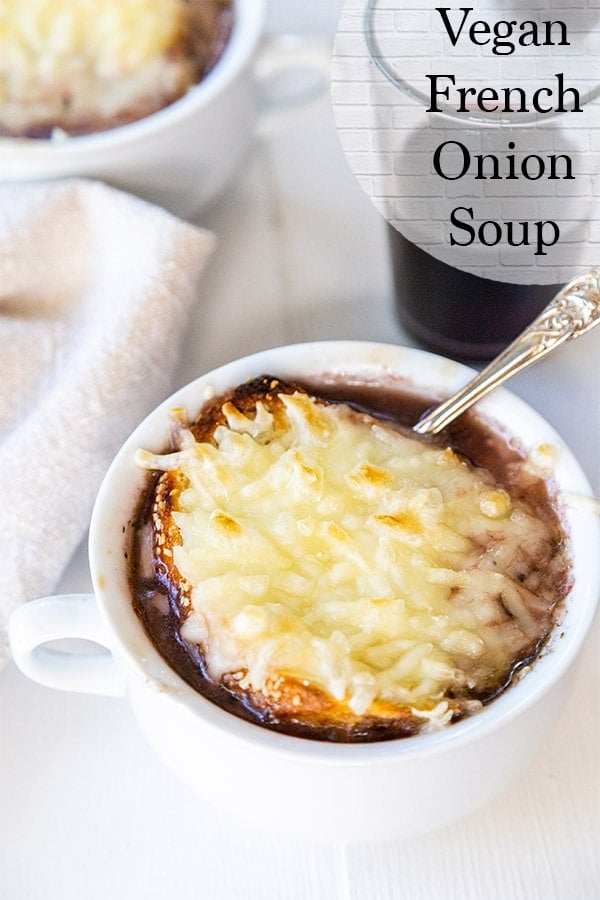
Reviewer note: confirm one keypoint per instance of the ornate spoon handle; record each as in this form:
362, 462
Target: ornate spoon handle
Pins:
572, 312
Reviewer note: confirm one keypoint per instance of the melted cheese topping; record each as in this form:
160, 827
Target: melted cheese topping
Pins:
84, 58
324, 546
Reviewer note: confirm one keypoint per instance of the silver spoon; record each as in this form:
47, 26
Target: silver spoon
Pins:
574, 311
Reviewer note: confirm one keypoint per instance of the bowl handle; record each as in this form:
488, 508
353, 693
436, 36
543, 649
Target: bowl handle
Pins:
88, 668
291, 72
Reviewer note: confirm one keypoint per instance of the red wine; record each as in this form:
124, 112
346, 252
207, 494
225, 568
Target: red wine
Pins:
455, 313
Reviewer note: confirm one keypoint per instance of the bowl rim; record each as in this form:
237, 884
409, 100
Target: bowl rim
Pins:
247, 29
134, 648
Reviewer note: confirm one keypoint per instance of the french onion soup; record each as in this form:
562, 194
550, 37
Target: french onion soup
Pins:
306, 562
79, 66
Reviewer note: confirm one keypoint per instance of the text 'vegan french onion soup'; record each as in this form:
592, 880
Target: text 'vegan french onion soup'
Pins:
306, 562
80, 66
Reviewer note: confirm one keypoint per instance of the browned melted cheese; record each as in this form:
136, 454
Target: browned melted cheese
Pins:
341, 577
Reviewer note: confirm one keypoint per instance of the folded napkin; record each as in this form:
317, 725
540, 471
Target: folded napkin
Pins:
95, 288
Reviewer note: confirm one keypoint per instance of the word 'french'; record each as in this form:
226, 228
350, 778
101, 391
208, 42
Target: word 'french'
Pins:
505, 99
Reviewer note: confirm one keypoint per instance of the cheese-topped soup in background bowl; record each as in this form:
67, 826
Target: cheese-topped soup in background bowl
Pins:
76, 68
159, 98
322, 621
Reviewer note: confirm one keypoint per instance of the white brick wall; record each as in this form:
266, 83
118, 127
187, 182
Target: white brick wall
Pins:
390, 139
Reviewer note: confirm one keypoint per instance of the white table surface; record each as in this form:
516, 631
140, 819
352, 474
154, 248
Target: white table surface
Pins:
86, 810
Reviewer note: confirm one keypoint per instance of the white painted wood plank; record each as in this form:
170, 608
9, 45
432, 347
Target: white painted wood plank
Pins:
88, 811
537, 841
240, 301
333, 240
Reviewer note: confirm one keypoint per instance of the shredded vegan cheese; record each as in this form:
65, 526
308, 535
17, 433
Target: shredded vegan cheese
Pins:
323, 546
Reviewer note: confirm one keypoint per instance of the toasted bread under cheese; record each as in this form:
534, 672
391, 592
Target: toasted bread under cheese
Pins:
339, 573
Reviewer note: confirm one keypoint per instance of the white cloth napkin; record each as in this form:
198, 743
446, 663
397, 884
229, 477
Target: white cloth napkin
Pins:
95, 289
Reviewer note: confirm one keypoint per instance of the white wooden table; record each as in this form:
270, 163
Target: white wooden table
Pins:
86, 810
